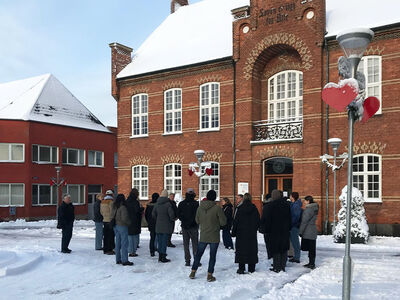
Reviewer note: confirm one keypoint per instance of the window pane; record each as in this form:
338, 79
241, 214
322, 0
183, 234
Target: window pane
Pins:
17, 152
81, 157
44, 194
91, 158
64, 155
35, 153
44, 154
17, 194
81, 194
72, 156
54, 194
4, 194
73, 190
99, 158
204, 95
94, 188
4, 151
34, 194
54, 154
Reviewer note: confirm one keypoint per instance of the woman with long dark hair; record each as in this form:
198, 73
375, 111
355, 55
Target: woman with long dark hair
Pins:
226, 230
135, 214
151, 222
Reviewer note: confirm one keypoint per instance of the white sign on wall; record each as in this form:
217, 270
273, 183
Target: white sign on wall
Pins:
243, 188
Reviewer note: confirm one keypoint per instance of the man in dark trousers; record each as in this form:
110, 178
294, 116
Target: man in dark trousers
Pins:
175, 208
190, 229
66, 217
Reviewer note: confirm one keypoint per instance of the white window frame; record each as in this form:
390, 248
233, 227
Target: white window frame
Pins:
175, 179
281, 110
142, 115
39, 161
9, 195
209, 107
65, 190
363, 67
207, 180
366, 173
79, 163
96, 153
175, 111
142, 181
53, 201
10, 145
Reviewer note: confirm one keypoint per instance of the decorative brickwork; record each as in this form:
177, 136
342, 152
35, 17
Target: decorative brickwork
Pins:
277, 151
139, 90
370, 147
209, 78
139, 160
172, 158
374, 50
172, 84
212, 156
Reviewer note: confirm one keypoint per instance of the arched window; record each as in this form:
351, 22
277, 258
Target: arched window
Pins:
140, 115
371, 66
285, 97
209, 106
367, 176
209, 182
140, 180
173, 111
173, 178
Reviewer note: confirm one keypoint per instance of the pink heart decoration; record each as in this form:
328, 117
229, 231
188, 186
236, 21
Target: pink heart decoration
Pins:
339, 97
209, 171
371, 106
190, 172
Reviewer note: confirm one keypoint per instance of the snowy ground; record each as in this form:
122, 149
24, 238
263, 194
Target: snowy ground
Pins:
31, 267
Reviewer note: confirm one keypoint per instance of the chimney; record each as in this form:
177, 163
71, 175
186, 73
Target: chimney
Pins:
120, 58
176, 4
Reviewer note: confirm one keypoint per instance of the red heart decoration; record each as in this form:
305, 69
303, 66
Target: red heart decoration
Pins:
337, 96
371, 106
209, 171
190, 172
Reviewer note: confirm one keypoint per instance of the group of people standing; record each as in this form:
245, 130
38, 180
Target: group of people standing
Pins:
118, 227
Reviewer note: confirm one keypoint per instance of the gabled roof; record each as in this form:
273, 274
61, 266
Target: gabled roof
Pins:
202, 31
45, 99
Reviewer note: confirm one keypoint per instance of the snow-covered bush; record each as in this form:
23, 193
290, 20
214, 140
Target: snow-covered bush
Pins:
359, 227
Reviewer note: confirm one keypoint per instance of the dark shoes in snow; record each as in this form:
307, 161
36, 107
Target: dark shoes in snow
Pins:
163, 258
240, 271
133, 255
210, 277
187, 264
127, 263
310, 266
171, 245
152, 254
294, 260
66, 250
192, 274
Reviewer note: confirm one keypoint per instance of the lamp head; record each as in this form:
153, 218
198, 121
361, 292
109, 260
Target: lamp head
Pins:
199, 154
335, 143
58, 168
355, 41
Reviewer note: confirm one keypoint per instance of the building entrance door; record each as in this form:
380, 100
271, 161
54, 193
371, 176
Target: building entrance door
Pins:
93, 190
278, 174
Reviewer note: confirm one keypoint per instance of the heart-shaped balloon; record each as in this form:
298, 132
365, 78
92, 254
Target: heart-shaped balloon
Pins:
371, 106
190, 172
209, 171
339, 96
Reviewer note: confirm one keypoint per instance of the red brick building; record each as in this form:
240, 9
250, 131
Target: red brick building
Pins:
242, 80
42, 125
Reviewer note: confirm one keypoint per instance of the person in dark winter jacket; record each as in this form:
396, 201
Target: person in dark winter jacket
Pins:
165, 217
66, 217
308, 230
295, 211
175, 208
98, 221
151, 222
245, 227
108, 230
211, 218
277, 223
122, 221
187, 210
135, 214
226, 230
266, 202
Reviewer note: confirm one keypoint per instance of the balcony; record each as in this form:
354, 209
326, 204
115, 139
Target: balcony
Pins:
266, 131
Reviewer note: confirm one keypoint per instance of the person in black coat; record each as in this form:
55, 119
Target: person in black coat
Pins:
187, 210
266, 203
98, 221
277, 224
151, 223
135, 228
226, 230
245, 227
66, 217
175, 208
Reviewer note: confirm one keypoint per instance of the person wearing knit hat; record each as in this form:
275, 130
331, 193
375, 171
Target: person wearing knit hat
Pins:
164, 215
211, 218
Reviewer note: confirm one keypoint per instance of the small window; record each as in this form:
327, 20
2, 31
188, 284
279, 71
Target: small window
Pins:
140, 115
115, 160
140, 180
371, 66
74, 157
210, 182
209, 106
76, 191
95, 158
11, 152
12, 194
44, 154
367, 176
173, 111
173, 178
44, 194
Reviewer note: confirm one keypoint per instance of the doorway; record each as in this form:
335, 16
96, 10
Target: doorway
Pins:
278, 174
93, 190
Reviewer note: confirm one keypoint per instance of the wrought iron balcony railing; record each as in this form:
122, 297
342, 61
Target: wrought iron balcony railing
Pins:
273, 131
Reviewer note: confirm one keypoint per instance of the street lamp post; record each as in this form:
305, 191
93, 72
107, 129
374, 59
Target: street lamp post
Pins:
196, 167
57, 182
353, 43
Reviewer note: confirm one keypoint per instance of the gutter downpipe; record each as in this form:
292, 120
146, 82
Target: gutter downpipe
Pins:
327, 144
234, 134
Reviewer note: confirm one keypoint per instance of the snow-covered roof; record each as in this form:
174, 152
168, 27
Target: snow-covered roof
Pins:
45, 99
202, 31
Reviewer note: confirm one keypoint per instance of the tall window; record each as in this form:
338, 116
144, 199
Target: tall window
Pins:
173, 111
95, 158
12, 194
74, 157
173, 178
140, 115
367, 176
371, 66
140, 180
44, 194
11, 152
210, 182
209, 106
76, 191
44, 154
285, 97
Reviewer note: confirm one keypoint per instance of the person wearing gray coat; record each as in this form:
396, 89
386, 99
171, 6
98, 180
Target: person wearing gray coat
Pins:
308, 230
165, 216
